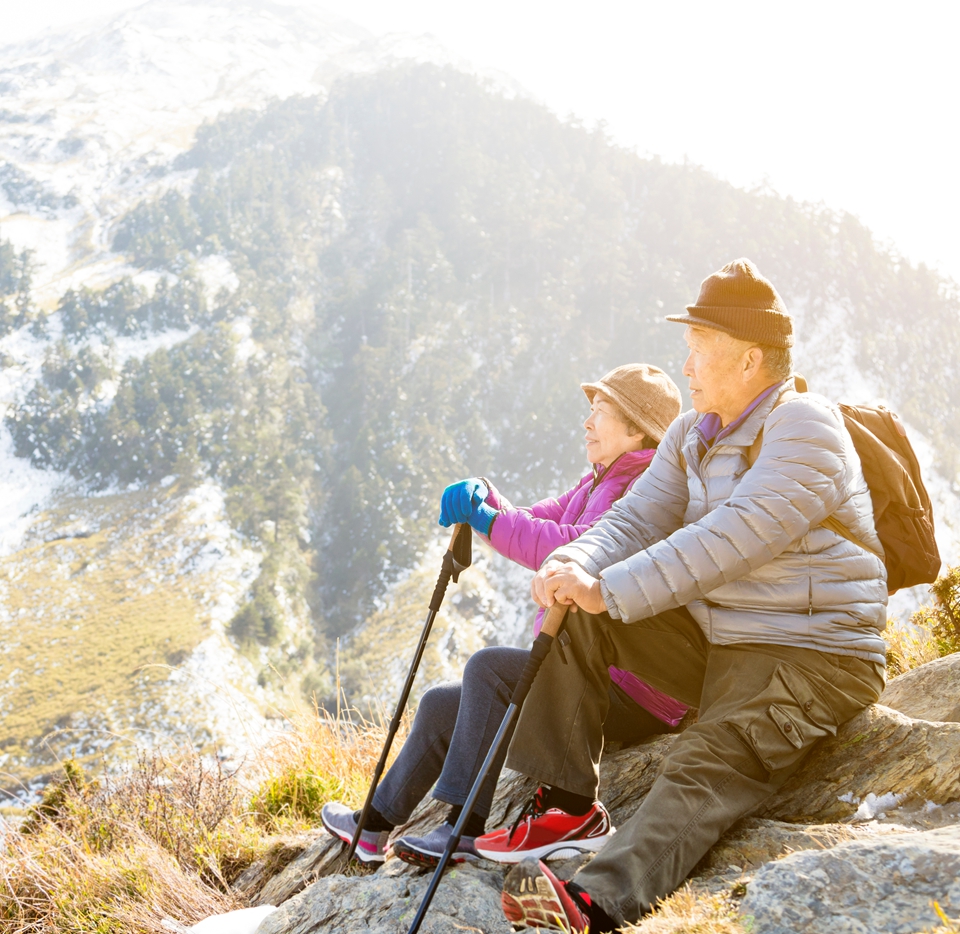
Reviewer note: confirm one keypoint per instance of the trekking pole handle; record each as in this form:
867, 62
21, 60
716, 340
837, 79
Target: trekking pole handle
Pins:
453, 535
555, 617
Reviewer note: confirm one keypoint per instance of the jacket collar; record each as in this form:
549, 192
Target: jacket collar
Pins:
746, 432
632, 463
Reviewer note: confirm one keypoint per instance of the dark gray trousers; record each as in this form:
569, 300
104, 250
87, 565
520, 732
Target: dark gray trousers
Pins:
762, 707
456, 723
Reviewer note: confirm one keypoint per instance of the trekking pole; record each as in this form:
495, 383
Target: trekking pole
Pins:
457, 558
540, 650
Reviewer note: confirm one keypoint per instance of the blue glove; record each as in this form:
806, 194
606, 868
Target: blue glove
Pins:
482, 518
460, 499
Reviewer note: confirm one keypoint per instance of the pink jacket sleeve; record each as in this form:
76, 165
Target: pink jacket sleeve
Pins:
528, 534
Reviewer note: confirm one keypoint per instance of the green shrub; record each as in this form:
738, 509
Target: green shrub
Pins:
933, 631
943, 618
260, 620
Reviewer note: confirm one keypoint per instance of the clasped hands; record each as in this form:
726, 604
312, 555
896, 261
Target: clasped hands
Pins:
563, 582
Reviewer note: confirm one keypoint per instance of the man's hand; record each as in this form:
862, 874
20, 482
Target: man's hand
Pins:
559, 582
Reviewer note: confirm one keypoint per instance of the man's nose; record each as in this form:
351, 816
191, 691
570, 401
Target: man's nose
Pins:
688, 366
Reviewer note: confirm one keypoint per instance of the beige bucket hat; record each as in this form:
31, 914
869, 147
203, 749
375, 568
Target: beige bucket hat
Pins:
644, 393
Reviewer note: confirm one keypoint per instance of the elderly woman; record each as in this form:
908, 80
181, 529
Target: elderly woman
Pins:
630, 409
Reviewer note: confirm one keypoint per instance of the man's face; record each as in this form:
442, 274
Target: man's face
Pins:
714, 369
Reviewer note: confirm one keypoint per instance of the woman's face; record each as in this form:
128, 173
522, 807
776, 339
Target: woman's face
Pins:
606, 433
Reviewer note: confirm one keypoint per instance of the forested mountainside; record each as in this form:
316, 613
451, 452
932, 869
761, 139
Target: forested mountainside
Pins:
426, 271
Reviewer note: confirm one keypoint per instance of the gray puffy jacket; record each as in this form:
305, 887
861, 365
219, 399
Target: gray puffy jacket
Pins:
743, 547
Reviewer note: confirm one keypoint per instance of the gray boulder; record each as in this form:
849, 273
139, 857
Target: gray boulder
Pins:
751, 842
880, 886
878, 751
930, 692
323, 857
468, 899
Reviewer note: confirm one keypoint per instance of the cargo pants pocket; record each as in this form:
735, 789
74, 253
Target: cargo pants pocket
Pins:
784, 720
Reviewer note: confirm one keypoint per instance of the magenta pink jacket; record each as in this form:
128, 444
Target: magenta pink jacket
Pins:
528, 534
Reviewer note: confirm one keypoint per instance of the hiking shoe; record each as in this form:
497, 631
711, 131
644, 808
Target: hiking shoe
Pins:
342, 822
426, 851
533, 896
547, 833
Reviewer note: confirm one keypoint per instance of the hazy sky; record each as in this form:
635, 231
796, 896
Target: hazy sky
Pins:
854, 104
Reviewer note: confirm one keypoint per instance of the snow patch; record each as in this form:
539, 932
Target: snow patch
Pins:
244, 921
217, 273
223, 555
223, 684
246, 346
873, 806
24, 489
826, 355
126, 348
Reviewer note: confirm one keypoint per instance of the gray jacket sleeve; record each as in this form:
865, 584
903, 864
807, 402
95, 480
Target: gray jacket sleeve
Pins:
797, 481
648, 512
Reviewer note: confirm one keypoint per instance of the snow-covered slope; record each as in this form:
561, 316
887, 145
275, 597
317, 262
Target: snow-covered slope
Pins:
90, 121
90, 116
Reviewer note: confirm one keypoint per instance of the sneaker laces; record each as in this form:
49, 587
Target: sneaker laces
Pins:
534, 808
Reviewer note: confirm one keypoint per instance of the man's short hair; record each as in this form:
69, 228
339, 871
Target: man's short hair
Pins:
777, 360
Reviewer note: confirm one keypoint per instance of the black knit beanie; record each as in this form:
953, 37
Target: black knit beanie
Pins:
740, 302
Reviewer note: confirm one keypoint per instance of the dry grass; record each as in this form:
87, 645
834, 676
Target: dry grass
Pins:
909, 647
164, 838
87, 619
55, 882
686, 912
322, 757
168, 835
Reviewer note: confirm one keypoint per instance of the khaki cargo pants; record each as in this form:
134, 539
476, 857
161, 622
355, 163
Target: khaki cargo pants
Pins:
762, 708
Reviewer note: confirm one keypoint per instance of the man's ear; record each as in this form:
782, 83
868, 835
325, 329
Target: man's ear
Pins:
752, 363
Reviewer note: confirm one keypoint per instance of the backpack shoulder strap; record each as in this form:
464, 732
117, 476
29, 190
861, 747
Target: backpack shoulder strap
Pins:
753, 452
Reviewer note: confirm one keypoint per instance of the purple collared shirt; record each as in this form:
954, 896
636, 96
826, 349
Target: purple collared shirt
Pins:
709, 427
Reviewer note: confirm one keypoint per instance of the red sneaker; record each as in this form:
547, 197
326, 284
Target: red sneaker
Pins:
535, 897
546, 834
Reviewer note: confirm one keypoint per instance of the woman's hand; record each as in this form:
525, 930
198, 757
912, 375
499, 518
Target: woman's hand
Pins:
460, 499
565, 582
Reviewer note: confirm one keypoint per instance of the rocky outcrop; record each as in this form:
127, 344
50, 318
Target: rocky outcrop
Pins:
877, 751
468, 899
819, 856
930, 692
754, 841
881, 886
291, 864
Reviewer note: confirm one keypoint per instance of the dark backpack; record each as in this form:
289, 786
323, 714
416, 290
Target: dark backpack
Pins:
902, 512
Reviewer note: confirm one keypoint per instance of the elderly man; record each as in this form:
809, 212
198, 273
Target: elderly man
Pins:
715, 580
